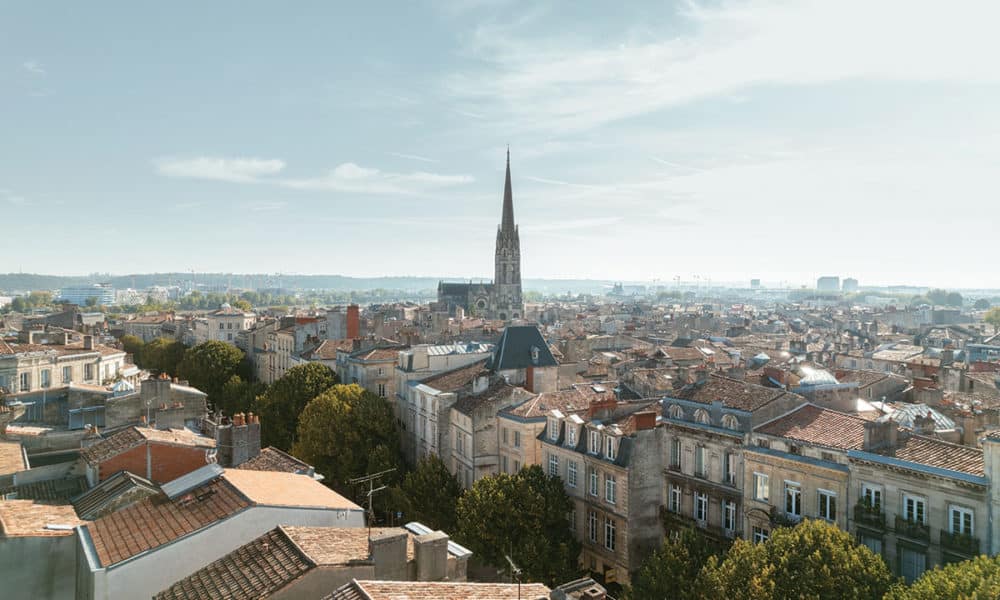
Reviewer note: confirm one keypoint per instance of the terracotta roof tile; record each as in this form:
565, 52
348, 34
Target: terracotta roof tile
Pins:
27, 518
815, 425
273, 488
938, 453
272, 459
131, 437
11, 457
731, 392
575, 399
455, 379
413, 590
339, 545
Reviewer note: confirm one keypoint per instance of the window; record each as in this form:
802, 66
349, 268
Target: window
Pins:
827, 456
609, 447
793, 449
572, 520
793, 499
872, 543
222, 325
609, 534
46, 378
871, 495
381, 371
381, 390
517, 466
676, 412
571, 473
760, 535
609, 488
503, 463
592, 526
675, 453
960, 520
729, 468
700, 507
730, 422
553, 429
593, 482
729, 515
675, 499
762, 443
88, 372
699, 461
701, 416
26, 381
570, 435
67, 374
229, 325
827, 505
503, 434
761, 490
517, 439
914, 508
595, 442
553, 465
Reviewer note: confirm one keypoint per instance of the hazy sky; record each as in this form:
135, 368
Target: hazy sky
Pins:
781, 140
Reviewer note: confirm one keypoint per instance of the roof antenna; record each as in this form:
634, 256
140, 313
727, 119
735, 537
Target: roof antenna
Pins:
370, 480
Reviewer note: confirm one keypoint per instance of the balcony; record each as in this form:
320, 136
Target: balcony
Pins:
912, 529
780, 518
678, 520
962, 543
866, 514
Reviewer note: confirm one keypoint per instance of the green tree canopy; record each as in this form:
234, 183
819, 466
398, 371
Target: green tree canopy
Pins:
208, 366
429, 494
241, 305
133, 345
993, 316
523, 516
981, 304
280, 406
814, 560
239, 395
339, 430
974, 579
937, 296
672, 572
954, 299
163, 355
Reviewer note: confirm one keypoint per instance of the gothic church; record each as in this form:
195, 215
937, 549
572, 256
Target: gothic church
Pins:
500, 299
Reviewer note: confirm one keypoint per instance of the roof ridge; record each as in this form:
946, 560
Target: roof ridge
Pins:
302, 553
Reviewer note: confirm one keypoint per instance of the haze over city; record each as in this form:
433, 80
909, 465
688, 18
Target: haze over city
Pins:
726, 140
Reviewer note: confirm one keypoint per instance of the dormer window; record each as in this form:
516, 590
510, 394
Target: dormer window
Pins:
701, 416
595, 442
730, 422
676, 412
609, 447
553, 429
534, 355
570, 435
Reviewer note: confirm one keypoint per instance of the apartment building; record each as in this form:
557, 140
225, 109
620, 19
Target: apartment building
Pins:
42, 360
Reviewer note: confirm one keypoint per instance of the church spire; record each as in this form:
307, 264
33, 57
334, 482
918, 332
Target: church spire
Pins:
507, 224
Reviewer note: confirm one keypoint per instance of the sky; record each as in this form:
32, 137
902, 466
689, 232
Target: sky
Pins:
649, 141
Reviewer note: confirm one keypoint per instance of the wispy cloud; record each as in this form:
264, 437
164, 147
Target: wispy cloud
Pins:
413, 157
267, 206
11, 198
346, 177
236, 170
573, 224
33, 66
559, 182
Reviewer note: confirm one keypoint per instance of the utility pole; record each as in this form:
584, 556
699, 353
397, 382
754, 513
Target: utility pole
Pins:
370, 479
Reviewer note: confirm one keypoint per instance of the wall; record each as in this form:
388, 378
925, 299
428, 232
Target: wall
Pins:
52, 560
166, 462
145, 576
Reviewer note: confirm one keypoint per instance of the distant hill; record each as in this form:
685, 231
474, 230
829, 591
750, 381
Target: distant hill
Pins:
29, 281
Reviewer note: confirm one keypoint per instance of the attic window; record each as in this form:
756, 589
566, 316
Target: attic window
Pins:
553, 429
534, 355
610, 447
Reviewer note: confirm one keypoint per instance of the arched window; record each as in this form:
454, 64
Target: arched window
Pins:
701, 416
676, 412
730, 422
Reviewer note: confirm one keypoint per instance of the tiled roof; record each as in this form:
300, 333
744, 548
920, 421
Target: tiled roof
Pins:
815, 425
938, 453
498, 390
575, 399
676, 353
862, 377
455, 379
130, 437
731, 392
443, 590
327, 349
272, 459
340, 545
254, 570
157, 521
11, 457
60, 490
272, 488
27, 518
114, 493
378, 354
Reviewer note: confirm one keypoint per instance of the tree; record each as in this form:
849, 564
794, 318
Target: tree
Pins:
280, 406
239, 395
974, 579
981, 304
163, 355
208, 366
811, 560
522, 516
241, 305
338, 431
938, 296
993, 316
429, 494
672, 571
954, 299
133, 345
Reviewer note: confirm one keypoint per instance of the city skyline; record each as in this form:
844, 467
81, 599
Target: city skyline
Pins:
730, 140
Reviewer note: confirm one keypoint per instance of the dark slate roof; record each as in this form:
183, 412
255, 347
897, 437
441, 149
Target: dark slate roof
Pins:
517, 346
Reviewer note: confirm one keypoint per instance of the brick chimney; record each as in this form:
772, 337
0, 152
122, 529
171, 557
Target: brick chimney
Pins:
88, 342
353, 321
645, 419
924, 424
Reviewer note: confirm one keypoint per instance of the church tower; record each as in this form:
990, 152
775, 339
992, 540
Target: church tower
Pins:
507, 303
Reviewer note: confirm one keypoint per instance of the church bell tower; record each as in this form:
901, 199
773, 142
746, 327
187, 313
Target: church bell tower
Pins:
507, 303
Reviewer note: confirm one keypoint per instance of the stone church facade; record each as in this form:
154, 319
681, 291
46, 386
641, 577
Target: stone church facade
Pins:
500, 299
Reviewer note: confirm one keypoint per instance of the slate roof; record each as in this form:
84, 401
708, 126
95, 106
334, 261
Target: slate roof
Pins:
438, 590
821, 426
731, 392
455, 379
272, 459
516, 347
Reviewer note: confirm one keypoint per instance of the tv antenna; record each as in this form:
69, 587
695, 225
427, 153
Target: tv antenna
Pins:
515, 572
370, 479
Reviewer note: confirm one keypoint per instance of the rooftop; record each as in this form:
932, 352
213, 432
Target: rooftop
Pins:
338, 545
455, 379
815, 425
285, 489
27, 518
520, 347
272, 459
130, 437
938, 453
731, 392
413, 590
576, 399
11, 457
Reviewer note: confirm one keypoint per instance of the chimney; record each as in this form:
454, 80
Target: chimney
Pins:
924, 425
645, 419
387, 552
481, 383
880, 434
353, 321
947, 357
88, 342
431, 550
